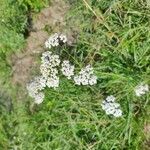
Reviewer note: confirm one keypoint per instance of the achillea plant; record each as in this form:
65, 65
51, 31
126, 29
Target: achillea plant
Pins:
49, 69
67, 69
50, 64
111, 107
86, 77
141, 89
50, 73
55, 39
35, 88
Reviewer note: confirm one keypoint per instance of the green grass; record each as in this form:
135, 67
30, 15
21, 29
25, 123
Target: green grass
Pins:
113, 36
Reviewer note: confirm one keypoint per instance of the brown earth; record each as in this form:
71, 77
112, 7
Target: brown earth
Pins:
147, 136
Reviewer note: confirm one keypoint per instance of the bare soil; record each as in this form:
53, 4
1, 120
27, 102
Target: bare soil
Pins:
147, 135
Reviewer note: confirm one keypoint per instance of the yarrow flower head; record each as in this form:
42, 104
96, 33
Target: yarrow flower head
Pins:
111, 107
53, 81
55, 39
49, 69
141, 89
86, 77
39, 97
50, 60
63, 38
67, 69
34, 89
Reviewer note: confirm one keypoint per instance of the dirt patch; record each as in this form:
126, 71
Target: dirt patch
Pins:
54, 16
147, 136
24, 62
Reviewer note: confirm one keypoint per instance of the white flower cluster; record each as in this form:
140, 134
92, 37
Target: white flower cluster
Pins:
34, 89
49, 70
48, 78
86, 76
55, 39
141, 89
67, 69
111, 107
